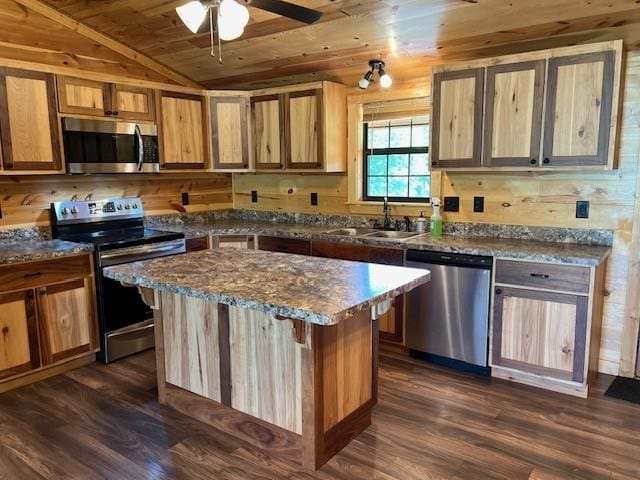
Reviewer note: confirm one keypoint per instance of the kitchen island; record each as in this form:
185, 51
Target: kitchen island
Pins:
279, 350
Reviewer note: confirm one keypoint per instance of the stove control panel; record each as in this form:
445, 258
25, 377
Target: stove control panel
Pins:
97, 210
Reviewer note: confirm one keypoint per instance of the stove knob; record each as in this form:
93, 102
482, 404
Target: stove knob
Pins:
135, 205
74, 210
65, 211
119, 207
127, 206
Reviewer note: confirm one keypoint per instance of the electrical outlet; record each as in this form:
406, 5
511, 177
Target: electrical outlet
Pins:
582, 209
185, 198
254, 196
451, 204
314, 199
478, 204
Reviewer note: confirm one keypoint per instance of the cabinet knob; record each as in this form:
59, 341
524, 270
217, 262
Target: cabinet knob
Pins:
434, 163
9, 165
498, 291
546, 161
533, 161
115, 113
5, 330
108, 112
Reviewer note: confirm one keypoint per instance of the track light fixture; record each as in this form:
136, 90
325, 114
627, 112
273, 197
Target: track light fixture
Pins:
385, 79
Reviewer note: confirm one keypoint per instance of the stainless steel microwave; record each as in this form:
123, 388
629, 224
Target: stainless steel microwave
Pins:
102, 146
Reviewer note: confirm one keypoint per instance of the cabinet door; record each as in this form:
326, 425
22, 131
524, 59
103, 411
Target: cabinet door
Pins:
67, 320
578, 110
132, 103
267, 120
303, 124
182, 121
83, 97
229, 132
540, 332
233, 241
513, 115
456, 134
284, 245
28, 121
19, 350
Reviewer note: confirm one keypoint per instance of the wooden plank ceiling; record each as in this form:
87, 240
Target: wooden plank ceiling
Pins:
408, 34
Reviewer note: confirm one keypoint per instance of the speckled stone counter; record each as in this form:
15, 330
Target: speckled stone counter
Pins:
507, 248
317, 290
36, 250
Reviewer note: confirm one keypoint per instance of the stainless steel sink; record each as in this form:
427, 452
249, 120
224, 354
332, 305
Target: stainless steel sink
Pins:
392, 234
350, 232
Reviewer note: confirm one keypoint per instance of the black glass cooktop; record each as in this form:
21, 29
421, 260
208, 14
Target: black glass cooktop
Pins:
119, 238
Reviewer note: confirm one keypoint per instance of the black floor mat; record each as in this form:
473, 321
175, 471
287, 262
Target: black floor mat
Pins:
625, 389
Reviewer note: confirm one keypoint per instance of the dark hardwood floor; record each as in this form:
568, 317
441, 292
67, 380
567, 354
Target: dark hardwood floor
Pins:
104, 422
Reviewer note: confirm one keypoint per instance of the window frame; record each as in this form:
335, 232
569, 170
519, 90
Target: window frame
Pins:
366, 152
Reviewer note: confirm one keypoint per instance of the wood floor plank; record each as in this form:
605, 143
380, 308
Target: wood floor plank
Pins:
104, 421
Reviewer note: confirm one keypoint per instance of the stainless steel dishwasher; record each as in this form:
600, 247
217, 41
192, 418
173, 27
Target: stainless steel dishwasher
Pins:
448, 318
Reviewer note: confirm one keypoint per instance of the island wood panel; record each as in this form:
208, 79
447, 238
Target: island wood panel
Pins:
191, 344
513, 115
26, 201
18, 333
29, 127
229, 135
267, 123
578, 112
346, 368
66, 319
82, 96
456, 130
266, 368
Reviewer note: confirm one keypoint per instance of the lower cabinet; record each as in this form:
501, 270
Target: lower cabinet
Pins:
233, 241
47, 318
284, 245
544, 336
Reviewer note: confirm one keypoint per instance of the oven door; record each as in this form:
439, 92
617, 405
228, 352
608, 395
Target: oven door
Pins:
100, 146
127, 322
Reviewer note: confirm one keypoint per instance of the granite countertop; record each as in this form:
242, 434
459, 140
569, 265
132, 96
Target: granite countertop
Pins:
532, 250
317, 290
35, 250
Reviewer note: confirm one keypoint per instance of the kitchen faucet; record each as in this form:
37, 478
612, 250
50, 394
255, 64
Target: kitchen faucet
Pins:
386, 224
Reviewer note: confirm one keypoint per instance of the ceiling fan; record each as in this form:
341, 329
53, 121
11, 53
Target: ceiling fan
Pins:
233, 15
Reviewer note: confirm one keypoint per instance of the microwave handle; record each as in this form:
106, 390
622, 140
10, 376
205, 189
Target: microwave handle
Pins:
139, 147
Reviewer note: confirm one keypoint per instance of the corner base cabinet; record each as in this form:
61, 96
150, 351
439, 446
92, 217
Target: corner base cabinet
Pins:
47, 319
546, 324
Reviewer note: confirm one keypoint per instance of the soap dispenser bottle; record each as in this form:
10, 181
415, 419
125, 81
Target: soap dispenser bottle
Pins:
435, 226
421, 224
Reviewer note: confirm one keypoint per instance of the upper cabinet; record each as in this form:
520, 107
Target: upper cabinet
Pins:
229, 132
302, 128
29, 129
182, 122
495, 114
88, 97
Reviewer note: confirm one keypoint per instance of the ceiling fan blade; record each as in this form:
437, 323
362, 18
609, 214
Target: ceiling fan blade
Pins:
286, 9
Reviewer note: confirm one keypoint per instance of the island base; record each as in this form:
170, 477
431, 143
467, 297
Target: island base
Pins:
296, 390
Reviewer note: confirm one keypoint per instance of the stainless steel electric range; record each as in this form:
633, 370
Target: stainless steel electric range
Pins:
115, 228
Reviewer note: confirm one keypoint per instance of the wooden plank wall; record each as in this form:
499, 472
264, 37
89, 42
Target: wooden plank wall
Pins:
544, 199
25, 200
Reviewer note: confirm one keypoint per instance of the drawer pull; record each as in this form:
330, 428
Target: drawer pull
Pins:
566, 349
32, 275
540, 275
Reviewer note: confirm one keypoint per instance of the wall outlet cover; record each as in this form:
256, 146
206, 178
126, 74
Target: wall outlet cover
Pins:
314, 199
451, 204
185, 198
582, 209
254, 196
478, 204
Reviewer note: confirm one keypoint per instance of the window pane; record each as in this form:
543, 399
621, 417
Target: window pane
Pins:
398, 164
398, 186
377, 186
420, 136
400, 137
377, 164
379, 138
419, 186
419, 164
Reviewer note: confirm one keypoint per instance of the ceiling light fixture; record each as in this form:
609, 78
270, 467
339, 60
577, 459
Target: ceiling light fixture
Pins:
385, 79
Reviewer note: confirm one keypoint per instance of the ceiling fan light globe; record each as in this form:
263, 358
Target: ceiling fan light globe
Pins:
228, 30
192, 15
232, 11
385, 81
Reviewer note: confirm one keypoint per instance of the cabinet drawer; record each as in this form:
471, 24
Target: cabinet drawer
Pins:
197, 243
29, 275
284, 245
358, 253
566, 278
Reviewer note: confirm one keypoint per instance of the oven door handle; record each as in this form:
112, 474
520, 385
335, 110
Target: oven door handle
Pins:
139, 146
143, 252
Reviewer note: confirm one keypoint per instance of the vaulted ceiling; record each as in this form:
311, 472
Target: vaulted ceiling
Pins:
409, 35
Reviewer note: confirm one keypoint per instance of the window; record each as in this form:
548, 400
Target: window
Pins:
396, 160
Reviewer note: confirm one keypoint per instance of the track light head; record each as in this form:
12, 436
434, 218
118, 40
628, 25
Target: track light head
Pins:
366, 80
385, 79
